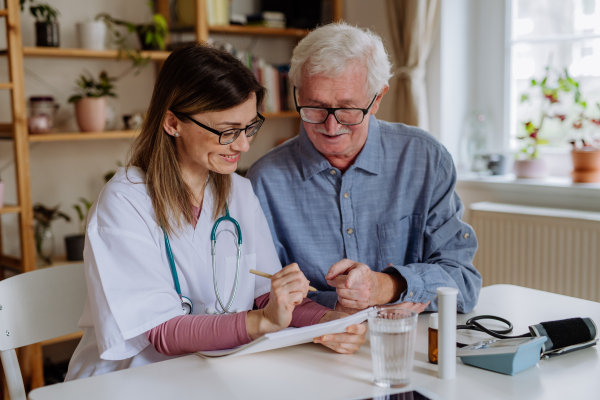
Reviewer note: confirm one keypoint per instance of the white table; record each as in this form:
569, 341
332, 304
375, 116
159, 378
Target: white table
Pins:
313, 372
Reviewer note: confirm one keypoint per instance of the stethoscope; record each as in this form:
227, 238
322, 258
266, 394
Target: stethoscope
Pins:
186, 303
473, 325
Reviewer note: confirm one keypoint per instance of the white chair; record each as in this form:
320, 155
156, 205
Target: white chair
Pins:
34, 307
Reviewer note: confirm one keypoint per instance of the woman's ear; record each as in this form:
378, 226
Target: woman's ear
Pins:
172, 125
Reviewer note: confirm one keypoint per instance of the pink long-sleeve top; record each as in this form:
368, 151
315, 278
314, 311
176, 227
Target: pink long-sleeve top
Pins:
191, 333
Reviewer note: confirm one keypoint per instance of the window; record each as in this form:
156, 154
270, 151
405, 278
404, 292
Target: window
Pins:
563, 36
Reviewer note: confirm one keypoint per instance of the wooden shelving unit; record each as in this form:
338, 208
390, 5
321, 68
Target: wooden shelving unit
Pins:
84, 53
69, 136
258, 31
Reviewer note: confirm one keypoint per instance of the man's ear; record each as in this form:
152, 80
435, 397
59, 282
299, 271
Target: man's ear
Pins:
375, 106
171, 125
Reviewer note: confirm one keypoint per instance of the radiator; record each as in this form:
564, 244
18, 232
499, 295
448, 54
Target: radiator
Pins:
541, 248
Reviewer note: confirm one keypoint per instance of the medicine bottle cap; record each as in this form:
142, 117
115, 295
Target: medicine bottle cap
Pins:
433, 321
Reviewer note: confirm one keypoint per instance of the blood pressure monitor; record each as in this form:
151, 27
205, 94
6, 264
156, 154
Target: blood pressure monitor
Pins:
507, 356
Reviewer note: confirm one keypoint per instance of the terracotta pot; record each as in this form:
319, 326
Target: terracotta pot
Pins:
586, 166
530, 169
91, 114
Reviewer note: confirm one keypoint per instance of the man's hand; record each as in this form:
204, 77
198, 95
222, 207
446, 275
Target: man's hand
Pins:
345, 343
358, 287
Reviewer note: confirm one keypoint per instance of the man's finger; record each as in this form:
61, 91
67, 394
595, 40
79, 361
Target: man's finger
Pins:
339, 268
353, 294
356, 276
338, 282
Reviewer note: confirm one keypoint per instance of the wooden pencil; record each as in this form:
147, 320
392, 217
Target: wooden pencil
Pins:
269, 276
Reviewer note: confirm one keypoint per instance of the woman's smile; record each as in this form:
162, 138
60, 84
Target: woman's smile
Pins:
231, 158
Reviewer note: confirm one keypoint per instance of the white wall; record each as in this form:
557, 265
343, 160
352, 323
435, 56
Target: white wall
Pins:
373, 15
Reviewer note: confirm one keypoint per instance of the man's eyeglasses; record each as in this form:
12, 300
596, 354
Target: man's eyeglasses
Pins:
229, 135
344, 116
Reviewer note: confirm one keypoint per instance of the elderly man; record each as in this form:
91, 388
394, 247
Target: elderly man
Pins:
366, 208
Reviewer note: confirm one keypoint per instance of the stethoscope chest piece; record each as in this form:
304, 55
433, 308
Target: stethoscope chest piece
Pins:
186, 305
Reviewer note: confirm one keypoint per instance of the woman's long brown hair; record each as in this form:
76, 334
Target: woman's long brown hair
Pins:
194, 79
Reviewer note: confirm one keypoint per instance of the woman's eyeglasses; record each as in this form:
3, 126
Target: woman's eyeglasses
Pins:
229, 135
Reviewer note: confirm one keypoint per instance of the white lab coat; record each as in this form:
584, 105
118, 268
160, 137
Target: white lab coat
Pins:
130, 286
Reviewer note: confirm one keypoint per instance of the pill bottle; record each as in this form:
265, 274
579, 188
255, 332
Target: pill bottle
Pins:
433, 338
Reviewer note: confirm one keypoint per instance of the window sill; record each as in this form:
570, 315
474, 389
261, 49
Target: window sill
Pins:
548, 186
551, 192
511, 181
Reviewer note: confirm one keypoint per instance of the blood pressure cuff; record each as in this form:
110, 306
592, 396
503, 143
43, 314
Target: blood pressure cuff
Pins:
566, 335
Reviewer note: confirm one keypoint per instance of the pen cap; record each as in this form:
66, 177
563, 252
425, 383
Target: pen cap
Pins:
434, 321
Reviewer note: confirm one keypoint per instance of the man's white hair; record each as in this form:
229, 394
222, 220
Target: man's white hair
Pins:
330, 49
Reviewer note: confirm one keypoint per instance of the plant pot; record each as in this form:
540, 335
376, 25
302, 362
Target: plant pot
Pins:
91, 114
530, 169
74, 245
46, 34
44, 244
141, 31
91, 35
586, 166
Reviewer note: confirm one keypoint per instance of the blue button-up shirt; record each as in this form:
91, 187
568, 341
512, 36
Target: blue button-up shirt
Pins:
396, 204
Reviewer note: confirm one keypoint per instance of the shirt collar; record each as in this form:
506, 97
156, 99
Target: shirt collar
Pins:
368, 159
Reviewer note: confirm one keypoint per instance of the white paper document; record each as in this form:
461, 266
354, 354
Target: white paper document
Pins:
291, 337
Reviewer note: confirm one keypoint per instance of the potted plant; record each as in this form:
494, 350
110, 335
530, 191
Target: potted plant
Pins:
46, 25
91, 35
44, 239
586, 147
90, 101
74, 243
151, 36
528, 163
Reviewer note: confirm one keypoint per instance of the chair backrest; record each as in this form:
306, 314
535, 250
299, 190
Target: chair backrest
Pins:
37, 306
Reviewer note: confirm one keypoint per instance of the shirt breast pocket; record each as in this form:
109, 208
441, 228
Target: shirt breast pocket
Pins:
400, 241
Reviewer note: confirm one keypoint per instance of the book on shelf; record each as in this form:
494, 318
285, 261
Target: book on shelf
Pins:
268, 19
275, 78
217, 12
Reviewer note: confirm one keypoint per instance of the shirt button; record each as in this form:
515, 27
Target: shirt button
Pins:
350, 231
346, 195
410, 295
466, 235
333, 172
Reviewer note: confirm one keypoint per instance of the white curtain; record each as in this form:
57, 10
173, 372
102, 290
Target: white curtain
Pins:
413, 25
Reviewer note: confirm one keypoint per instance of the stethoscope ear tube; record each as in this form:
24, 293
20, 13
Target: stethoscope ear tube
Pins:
473, 325
186, 303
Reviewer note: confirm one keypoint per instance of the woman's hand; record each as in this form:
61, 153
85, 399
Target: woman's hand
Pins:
288, 288
345, 343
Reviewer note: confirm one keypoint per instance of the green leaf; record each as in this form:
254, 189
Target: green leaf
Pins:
524, 97
77, 208
543, 141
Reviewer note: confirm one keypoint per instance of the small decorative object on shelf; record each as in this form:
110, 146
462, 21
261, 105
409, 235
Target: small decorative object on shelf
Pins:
74, 243
91, 35
474, 143
46, 25
44, 239
133, 121
152, 36
90, 102
42, 110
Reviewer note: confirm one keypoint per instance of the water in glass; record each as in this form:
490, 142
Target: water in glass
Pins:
393, 334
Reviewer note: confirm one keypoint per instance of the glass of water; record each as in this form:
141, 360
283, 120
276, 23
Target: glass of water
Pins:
393, 333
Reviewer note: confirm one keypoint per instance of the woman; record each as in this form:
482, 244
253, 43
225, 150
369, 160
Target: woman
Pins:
156, 216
